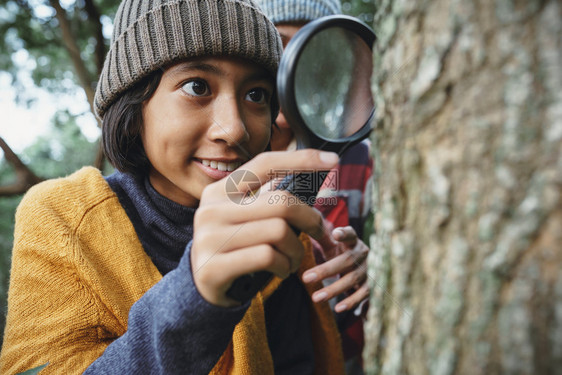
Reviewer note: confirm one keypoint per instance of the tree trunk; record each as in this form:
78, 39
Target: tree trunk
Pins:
466, 261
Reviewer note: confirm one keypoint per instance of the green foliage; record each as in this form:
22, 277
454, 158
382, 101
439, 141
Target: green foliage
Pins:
33, 32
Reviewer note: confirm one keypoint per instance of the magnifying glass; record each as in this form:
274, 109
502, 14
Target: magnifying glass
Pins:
324, 89
324, 83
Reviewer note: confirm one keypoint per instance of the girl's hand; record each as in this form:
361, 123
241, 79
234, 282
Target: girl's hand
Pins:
350, 264
232, 239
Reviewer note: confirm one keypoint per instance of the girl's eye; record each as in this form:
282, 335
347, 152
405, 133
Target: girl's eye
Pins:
258, 95
196, 88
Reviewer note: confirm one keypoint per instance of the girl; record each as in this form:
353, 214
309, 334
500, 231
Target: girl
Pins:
128, 274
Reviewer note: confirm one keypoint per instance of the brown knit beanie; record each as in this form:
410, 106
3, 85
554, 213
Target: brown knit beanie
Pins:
149, 34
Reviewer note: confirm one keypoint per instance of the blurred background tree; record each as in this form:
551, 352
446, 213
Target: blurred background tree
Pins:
63, 44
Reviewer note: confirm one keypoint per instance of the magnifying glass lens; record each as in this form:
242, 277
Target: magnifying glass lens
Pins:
332, 83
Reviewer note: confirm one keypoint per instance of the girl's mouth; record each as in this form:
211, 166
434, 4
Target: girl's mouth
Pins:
221, 166
217, 169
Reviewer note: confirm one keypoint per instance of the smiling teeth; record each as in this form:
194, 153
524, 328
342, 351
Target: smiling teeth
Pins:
221, 166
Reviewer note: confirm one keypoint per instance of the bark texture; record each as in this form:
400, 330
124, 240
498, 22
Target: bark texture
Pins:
466, 261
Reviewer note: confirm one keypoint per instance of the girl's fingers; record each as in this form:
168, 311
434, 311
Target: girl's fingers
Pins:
269, 204
273, 231
240, 227
258, 258
267, 166
266, 203
213, 285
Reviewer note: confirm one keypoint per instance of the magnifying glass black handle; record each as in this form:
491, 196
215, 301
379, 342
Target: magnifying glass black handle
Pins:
305, 187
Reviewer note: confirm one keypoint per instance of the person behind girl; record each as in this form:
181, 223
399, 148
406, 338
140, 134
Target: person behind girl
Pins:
344, 204
129, 273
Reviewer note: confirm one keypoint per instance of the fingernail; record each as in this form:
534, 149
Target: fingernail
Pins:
338, 233
329, 157
319, 296
340, 308
311, 276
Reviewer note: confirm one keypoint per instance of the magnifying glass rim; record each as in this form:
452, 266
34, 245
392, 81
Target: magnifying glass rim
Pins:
287, 67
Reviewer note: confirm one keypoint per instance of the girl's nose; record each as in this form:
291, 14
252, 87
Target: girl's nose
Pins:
228, 123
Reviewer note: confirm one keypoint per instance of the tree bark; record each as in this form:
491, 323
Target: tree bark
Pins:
466, 260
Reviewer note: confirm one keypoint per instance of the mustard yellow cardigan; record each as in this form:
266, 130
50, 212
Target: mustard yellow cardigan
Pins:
69, 297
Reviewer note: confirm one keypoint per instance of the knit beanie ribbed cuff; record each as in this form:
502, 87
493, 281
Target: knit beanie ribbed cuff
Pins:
150, 34
282, 11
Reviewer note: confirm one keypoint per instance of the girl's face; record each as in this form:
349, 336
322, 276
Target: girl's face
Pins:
206, 118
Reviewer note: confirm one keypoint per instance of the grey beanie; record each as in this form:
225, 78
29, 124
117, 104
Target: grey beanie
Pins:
280, 11
149, 34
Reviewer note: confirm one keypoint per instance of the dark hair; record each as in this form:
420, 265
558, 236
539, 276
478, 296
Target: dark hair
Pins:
122, 127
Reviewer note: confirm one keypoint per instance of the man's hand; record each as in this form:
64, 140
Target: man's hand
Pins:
349, 261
